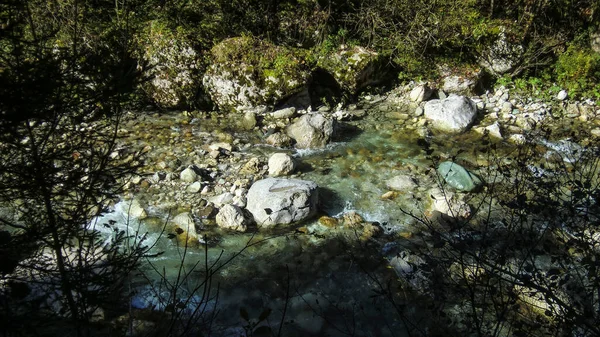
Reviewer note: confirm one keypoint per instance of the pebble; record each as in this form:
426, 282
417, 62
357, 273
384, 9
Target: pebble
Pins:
562, 95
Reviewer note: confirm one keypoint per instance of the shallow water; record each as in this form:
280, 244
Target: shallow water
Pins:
324, 281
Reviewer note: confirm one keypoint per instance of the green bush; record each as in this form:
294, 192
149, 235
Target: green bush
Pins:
578, 71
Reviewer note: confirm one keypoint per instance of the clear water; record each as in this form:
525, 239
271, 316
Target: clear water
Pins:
326, 284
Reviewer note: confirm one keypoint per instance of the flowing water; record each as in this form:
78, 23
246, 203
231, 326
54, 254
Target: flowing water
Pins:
326, 282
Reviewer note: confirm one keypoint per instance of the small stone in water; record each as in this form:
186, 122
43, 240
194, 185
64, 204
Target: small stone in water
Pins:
389, 195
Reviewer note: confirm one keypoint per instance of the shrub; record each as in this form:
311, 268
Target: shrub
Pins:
578, 71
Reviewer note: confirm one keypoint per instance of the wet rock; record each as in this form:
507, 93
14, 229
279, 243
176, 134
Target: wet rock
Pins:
185, 230
352, 219
231, 217
252, 166
135, 210
328, 221
275, 201
281, 164
389, 195
401, 183
205, 210
458, 177
311, 131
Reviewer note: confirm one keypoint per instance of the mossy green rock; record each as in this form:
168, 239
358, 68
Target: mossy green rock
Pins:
247, 73
174, 66
352, 67
458, 177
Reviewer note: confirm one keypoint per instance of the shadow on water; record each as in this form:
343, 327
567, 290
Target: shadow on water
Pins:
346, 132
331, 202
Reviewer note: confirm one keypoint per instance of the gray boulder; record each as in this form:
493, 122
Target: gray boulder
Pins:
458, 177
454, 114
311, 131
275, 201
231, 217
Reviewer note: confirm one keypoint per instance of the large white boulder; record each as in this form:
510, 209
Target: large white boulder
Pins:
311, 131
275, 201
454, 114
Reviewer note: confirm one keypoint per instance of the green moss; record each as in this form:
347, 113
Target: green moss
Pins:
269, 66
175, 65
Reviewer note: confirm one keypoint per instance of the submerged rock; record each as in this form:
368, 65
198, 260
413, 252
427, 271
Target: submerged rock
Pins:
453, 114
136, 210
401, 183
311, 131
458, 177
275, 201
